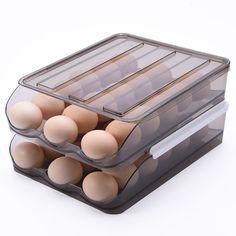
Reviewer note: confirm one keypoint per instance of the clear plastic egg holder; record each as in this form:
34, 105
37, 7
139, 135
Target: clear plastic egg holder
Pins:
131, 79
150, 173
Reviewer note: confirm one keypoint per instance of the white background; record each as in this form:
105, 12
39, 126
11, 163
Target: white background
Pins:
201, 200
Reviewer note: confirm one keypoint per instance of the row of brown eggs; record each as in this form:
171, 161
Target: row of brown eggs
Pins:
102, 186
103, 75
28, 155
64, 124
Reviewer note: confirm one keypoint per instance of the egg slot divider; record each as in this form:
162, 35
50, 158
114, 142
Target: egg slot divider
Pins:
181, 63
141, 182
124, 156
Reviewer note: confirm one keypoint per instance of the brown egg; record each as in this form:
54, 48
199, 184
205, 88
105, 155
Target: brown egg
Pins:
51, 154
184, 103
168, 116
150, 166
120, 130
202, 92
150, 126
82, 86
48, 105
147, 165
65, 170
25, 115
100, 187
28, 155
89, 84
98, 144
141, 86
109, 74
124, 98
60, 129
159, 76
86, 120
139, 110
118, 99
127, 64
123, 175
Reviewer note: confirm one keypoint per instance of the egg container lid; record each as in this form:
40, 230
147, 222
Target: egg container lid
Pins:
104, 76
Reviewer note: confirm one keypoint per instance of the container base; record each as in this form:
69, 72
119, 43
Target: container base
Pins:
147, 189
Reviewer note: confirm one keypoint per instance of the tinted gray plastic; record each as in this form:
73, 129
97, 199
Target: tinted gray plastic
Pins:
132, 79
150, 173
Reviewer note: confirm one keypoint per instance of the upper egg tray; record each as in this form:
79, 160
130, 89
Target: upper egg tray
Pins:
131, 79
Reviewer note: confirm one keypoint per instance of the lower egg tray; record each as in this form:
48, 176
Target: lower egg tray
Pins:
150, 173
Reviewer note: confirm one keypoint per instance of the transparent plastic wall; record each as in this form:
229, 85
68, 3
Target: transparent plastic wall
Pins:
172, 96
148, 131
150, 172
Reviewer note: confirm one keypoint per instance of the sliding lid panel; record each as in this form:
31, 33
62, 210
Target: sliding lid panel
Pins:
120, 75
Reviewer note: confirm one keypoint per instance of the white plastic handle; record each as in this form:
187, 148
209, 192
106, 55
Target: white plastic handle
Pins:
187, 130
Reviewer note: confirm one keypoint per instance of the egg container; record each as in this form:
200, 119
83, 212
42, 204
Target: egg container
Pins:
138, 80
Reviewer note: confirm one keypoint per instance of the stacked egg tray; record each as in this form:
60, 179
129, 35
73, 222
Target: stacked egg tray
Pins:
112, 122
